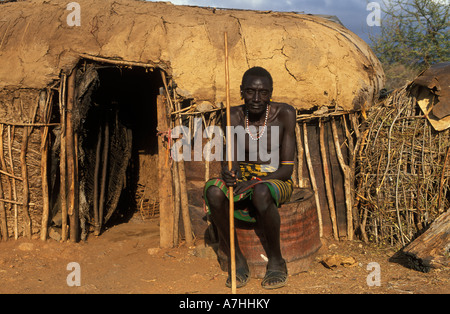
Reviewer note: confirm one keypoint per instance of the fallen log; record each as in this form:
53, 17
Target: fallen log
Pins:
432, 248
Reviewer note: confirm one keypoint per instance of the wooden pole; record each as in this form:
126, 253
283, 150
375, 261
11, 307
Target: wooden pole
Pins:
3, 205
347, 177
230, 166
298, 137
185, 204
101, 202
176, 179
62, 159
165, 182
96, 175
25, 185
77, 187
72, 210
14, 191
44, 168
326, 173
3, 222
313, 178
177, 204
3, 164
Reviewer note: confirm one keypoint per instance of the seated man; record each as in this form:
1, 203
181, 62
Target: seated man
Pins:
257, 184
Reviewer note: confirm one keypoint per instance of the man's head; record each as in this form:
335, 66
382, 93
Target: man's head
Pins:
256, 89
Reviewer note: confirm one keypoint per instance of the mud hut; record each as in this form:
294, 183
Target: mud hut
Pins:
88, 91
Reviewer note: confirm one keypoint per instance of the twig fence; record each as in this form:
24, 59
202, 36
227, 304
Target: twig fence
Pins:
403, 172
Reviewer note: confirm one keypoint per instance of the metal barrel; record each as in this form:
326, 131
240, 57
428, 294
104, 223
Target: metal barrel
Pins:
299, 237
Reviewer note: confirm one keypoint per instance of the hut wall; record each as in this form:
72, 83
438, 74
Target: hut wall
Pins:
17, 108
336, 175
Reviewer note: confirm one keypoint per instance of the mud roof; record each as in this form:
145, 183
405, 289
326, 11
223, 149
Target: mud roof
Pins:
313, 60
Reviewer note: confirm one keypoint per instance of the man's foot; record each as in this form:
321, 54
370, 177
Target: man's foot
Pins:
242, 277
275, 278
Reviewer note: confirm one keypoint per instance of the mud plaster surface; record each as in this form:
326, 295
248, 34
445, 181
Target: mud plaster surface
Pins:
313, 61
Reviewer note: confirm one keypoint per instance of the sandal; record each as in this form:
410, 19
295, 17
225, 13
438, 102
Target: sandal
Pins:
242, 277
271, 275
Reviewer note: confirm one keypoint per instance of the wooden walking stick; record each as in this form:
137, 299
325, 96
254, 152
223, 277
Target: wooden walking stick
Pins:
230, 166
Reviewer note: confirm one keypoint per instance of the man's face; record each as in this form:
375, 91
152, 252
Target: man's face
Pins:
256, 92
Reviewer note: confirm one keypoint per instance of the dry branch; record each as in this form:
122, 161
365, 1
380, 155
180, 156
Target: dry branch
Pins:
313, 178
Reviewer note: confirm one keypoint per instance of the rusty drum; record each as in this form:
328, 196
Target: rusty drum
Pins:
299, 233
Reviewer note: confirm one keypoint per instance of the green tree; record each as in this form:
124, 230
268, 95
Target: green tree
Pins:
414, 34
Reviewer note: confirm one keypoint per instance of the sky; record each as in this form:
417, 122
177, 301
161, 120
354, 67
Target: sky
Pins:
352, 13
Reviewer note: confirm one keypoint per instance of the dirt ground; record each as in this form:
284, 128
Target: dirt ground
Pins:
127, 259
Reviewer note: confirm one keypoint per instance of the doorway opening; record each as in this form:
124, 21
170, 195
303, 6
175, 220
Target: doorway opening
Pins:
115, 122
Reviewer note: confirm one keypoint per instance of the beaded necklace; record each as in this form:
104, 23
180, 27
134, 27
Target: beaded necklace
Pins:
264, 126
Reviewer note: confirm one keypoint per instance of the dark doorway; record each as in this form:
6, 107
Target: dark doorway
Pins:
117, 142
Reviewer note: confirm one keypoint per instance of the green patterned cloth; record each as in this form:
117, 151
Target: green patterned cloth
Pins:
281, 191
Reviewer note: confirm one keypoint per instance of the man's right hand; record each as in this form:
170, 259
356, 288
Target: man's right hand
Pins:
230, 177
